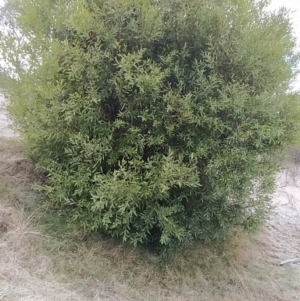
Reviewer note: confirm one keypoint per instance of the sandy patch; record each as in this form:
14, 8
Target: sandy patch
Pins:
5, 124
282, 234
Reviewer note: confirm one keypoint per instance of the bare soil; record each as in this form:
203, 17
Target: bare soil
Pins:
5, 124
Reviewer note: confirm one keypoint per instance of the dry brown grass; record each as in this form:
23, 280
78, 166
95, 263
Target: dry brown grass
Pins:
26, 274
41, 259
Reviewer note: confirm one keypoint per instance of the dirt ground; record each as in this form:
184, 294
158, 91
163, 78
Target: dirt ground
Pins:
5, 127
278, 242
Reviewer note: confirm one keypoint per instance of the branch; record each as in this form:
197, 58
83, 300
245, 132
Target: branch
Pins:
294, 260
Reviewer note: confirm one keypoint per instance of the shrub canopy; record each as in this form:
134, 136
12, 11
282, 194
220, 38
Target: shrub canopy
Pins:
155, 121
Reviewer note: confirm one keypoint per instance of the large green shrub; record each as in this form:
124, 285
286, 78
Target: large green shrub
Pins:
155, 121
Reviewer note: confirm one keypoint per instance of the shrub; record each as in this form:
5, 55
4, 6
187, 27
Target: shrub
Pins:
159, 122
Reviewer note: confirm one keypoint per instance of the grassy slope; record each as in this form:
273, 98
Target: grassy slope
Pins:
42, 259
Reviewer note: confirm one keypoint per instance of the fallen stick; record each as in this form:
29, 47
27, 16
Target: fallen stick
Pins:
294, 260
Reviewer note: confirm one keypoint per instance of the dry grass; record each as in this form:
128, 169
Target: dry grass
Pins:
26, 274
42, 259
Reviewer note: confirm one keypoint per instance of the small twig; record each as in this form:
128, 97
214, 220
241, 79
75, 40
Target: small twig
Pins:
294, 260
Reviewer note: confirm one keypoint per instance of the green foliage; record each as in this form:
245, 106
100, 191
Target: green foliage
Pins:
159, 122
